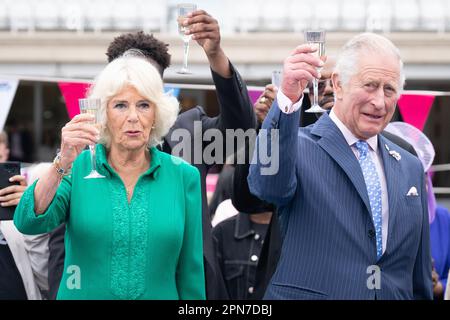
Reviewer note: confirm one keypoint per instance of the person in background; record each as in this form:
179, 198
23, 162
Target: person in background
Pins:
136, 233
440, 241
17, 280
239, 240
224, 184
440, 250
236, 112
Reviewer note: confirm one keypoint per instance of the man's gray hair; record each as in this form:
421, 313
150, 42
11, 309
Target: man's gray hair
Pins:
355, 48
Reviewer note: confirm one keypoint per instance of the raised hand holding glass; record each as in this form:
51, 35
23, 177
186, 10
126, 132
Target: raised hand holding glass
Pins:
183, 10
91, 106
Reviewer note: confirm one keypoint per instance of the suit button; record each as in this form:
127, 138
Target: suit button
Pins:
254, 258
250, 290
371, 233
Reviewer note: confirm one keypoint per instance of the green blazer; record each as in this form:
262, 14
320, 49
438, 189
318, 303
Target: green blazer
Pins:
150, 248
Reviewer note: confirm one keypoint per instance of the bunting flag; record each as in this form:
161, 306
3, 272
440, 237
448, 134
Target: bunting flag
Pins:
415, 109
254, 95
72, 91
8, 88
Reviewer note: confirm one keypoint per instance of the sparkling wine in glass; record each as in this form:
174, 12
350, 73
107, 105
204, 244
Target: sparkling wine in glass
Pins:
91, 106
183, 10
316, 38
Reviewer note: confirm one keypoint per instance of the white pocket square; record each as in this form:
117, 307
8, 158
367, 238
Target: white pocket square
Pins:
412, 192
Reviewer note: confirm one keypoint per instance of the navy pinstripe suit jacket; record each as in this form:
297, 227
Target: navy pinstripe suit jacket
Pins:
329, 249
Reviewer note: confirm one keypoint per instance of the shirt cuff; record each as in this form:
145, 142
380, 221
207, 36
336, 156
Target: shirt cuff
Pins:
286, 105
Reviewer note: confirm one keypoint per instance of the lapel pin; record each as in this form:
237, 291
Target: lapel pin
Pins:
395, 155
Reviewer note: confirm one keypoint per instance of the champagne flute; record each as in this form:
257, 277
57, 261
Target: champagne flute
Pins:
183, 10
276, 78
316, 38
91, 106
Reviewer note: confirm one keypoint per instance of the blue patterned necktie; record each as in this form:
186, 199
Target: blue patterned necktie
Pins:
373, 186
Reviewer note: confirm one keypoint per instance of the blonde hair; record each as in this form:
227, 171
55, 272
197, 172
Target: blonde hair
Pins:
144, 77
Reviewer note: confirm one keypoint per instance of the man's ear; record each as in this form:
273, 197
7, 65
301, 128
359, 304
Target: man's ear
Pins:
337, 86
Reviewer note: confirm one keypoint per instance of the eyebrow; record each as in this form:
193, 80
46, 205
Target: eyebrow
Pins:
126, 101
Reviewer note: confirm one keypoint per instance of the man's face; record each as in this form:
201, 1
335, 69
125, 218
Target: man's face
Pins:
325, 86
367, 103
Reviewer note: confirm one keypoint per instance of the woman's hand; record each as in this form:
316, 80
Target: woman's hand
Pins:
10, 196
75, 135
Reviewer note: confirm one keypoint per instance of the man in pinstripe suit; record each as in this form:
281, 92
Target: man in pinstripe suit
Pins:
352, 204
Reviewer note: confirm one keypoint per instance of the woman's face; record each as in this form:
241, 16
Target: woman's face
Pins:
130, 118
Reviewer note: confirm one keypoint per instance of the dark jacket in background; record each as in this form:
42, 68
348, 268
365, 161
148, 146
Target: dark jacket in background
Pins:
238, 242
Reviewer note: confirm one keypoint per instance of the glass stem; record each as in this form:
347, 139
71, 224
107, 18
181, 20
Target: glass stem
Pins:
92, 151
316, 92
185, 57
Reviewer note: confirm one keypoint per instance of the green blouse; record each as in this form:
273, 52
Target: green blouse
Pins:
150, 248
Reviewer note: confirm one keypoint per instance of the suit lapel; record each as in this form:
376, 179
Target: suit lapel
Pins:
334, 143
391, 173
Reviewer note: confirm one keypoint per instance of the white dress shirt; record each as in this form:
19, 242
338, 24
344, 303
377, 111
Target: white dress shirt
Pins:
286, 106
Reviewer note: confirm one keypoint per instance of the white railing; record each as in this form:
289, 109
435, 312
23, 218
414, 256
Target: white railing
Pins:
251, 16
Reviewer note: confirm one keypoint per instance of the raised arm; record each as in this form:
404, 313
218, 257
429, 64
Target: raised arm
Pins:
236, 111
45, 203
272, 174
75, 135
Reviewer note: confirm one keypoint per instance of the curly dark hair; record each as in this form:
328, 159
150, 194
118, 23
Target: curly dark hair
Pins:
151, 47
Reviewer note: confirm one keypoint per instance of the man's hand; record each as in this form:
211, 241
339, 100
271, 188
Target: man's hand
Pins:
299, 68
75, 135
264, 102
10, 196
205, 30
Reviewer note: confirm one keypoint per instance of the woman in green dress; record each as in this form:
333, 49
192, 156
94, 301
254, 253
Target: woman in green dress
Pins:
137, 233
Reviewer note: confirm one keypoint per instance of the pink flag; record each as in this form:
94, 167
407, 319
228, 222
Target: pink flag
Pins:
254, 95
415, 109
72, 91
